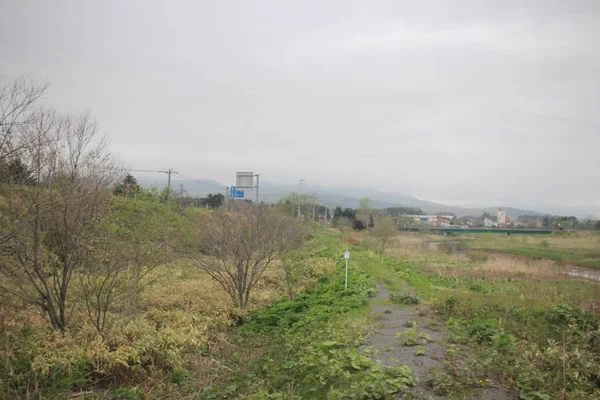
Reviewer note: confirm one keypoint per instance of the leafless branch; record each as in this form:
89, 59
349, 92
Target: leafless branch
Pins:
238, 247
16, 101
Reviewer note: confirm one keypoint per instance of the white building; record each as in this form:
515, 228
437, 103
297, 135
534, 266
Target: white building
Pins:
442, 220
488, 223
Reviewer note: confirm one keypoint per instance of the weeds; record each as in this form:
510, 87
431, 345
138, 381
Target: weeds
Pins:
404, 299
520, 319
413, 338
476, 257
311, 349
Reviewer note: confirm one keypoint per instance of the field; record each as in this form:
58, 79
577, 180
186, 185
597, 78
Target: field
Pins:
532, 326
502, 323
575, 248
184, 340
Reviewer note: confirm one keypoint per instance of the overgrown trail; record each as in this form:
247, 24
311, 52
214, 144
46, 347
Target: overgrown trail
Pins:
411, 336
389, 349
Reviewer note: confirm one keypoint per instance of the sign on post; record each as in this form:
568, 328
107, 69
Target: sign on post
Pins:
236, 194
347, 257
244, 180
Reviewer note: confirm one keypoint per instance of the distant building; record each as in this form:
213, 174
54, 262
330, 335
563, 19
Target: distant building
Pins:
433, 220
444, 221
501, 218
488, 223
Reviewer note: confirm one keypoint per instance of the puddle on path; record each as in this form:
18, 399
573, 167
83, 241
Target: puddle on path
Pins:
436, 245
582, 273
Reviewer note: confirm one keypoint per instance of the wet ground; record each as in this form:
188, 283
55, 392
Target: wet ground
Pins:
582, 273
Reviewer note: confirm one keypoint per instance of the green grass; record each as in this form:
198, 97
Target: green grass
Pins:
536, 335
530, 335
566, 248
309, 347
581, 257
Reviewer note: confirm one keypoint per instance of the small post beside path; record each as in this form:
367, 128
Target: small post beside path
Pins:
347, 257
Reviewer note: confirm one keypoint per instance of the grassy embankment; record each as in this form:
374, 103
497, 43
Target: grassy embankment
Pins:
180, 341
528, 324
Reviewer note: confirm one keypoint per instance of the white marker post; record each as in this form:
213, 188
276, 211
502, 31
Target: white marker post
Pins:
347, 257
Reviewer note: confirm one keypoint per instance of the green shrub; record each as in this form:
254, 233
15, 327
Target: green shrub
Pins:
413, 338
178, 375
482, 331
449, 305
404, 299
125, 393
567, 314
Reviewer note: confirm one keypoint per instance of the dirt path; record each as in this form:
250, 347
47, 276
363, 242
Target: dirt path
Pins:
391, 350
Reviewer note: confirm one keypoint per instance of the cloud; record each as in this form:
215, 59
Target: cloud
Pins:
480, 102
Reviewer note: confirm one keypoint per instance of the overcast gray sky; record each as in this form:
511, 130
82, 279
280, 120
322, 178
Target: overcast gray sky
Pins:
474, 103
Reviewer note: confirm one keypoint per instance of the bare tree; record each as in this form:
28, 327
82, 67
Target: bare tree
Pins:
16, 100
48, 227
344, 224
238, 247
127, 248
100, 285
385, 227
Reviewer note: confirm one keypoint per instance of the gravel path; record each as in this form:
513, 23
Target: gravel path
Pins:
391, 319
389, 350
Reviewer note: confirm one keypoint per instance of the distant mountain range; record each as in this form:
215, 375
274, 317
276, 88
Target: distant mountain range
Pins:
350, 197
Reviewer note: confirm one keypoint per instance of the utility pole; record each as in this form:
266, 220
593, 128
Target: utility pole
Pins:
226, 198
169, 172
257, 176
300, 196
347, 257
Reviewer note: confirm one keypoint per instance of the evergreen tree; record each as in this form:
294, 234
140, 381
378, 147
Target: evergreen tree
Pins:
16, 172
128, 187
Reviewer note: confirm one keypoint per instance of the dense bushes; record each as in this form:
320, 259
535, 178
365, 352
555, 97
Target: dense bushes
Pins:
47, 363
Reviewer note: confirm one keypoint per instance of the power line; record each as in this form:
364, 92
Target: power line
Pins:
142, 170
169, 172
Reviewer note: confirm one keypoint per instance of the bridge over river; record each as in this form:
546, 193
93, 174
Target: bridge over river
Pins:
502, 231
